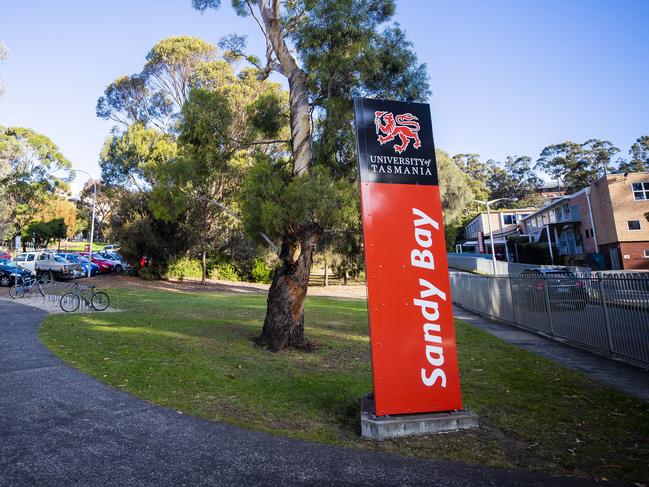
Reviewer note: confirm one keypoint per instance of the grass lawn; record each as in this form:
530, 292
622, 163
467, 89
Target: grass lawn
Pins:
193, 352
78, 246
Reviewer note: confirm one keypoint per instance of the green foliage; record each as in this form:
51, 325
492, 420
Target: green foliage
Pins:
639, 153
225, 272
171, 65
32, 170
42, 232
133, 158
515, 179
260, 272
272, 200
455, 191
577, 165
184, 267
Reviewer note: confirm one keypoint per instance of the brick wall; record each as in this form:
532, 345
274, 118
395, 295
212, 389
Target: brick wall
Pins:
635, 251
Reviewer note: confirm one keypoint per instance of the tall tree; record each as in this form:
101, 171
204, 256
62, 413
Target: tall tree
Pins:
131, 159
639, 160
220, 129
341, 49
565, 163
155, 96
34, 169
515, 179
598, 156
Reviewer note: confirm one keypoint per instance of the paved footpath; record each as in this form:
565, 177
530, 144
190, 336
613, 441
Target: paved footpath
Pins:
626, 378
59, 427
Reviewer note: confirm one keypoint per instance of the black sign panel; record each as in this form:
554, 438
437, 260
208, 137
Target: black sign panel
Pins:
395, 142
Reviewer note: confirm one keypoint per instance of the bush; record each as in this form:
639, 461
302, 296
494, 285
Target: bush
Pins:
260, 272
184, 268
225, 272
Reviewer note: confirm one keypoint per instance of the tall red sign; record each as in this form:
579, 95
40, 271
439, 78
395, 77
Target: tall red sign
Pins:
414, 356
481, 242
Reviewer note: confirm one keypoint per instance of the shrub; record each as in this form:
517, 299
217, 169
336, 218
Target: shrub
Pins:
260, 272
225, 272
184, 268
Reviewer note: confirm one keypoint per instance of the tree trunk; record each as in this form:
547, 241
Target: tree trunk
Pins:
203, 267
326, 273
284, 323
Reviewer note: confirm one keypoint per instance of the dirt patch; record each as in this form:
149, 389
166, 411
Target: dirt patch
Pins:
212, 286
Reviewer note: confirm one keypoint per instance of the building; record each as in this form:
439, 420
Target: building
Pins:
504, 222
550, 190
568, 224
603, 225
620, 202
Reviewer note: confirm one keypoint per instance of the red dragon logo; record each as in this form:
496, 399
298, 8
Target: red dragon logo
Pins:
404, 126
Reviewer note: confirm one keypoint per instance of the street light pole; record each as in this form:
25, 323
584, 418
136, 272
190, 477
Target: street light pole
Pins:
92, 221
491, 235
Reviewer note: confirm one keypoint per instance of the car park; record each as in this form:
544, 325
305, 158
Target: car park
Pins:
9, 273
105, 266
112, 247
83, 262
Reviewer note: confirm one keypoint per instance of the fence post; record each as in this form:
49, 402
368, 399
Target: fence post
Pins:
607, 318
547, 305
511, 295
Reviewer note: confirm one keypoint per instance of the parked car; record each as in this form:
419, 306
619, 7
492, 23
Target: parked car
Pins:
563, 286
120, 265
27, 261
10, 272
54, 265
4, 256
105, 266
83, 262
112, 247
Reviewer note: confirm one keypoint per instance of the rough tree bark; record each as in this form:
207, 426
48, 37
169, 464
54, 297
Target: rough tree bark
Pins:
284, 323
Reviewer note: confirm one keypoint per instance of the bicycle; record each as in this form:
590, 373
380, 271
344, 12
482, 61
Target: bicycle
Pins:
25, 285
71, 301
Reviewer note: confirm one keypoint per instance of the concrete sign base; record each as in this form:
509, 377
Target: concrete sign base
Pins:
395, 426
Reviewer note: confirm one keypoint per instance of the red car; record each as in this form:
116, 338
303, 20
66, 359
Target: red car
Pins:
104, 266
5, 255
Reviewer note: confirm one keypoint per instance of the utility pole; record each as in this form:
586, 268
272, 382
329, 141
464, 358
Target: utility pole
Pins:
491, 235
92, 221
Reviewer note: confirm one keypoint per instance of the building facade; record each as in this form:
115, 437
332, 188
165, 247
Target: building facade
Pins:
603, 225
504, 222
620, 202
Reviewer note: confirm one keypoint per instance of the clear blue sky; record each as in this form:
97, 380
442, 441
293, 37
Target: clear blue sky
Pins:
508, 77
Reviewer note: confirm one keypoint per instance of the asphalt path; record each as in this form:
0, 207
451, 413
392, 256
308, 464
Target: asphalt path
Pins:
59, 427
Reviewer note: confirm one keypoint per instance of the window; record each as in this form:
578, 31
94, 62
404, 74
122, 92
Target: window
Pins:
30, 257
646, 253
21, 258
587, 233
640, 191
509, 219
633, 224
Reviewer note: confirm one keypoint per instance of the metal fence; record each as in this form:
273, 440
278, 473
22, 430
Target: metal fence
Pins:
604, 313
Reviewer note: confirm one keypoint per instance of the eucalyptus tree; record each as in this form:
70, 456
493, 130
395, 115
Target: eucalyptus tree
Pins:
156, 95
328, 51
32, 169
639, 160
224, 125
